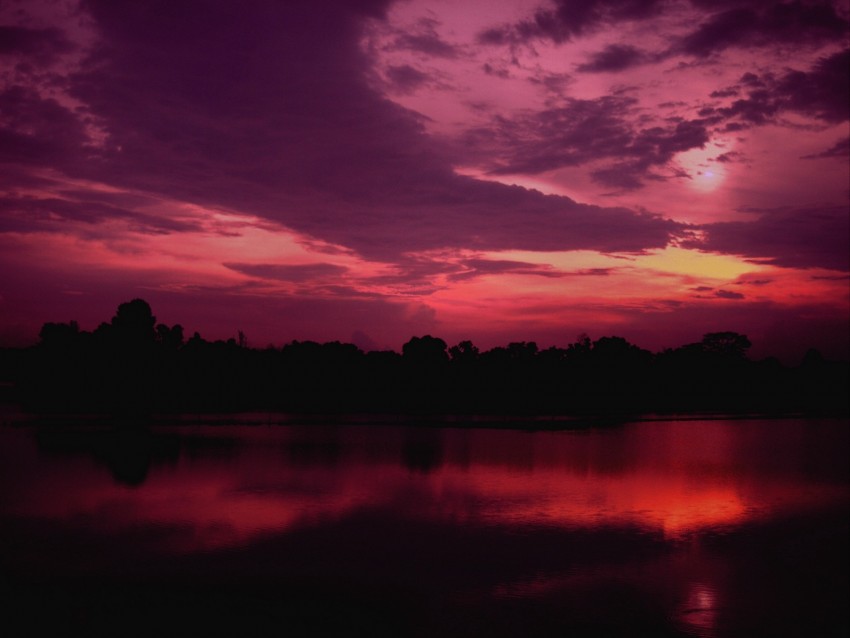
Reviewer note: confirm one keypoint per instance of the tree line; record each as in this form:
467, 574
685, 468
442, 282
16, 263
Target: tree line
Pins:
134, 365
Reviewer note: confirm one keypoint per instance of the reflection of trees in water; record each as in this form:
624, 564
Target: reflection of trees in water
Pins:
319, 449
129, 452
422, 450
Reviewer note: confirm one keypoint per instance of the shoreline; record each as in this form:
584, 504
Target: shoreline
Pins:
550, 422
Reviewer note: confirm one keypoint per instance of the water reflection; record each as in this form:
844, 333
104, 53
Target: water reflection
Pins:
645, 520
700, 609
231, 484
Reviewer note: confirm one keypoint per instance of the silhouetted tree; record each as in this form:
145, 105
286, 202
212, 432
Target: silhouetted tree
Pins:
579, 350
812, 358
59, 335
464, 352
169, 338
615, 349
134, 322
135, 367
726, 344
425, 351
522, 350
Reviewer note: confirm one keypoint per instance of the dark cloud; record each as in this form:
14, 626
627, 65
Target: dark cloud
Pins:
478, 267
623, 176
577, 133
830, 277
422, 38
754, 282
721, 31
39, 45
502, 72
759, 107
413, 273
796, 238
31, 214
613, 58
428, 43
334, 290
582, 132
270, 112
730, 92
289, 272
592, 272
763, 24
555, 83
822, 92
405, 78
570, 19
728, 157
121, 199
715, 4
751, 80
37, 130
840, 149
420, 274
728, 294
727, 24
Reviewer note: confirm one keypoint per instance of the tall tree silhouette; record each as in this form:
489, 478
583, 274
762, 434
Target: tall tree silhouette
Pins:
726, 344
425, 351
134, 323
59, 335
464, 352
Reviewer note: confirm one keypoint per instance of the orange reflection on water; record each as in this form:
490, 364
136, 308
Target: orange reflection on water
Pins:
675, 504
672, 478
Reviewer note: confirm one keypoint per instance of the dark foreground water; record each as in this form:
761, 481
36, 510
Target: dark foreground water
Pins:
696, 528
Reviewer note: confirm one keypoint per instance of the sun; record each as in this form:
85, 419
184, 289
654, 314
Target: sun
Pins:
705, 171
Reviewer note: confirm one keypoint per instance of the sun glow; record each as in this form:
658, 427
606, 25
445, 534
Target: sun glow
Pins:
694, 263
705, 167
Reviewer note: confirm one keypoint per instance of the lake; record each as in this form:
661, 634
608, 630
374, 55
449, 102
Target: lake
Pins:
705, 528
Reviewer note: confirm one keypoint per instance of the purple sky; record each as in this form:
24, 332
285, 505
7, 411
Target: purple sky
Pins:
370, 170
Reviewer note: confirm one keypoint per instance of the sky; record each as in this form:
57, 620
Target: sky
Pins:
371, 170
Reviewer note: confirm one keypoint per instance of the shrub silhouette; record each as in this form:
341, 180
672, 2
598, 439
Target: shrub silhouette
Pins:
134, 366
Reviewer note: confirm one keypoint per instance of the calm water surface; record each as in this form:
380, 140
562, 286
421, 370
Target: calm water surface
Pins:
689, 528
